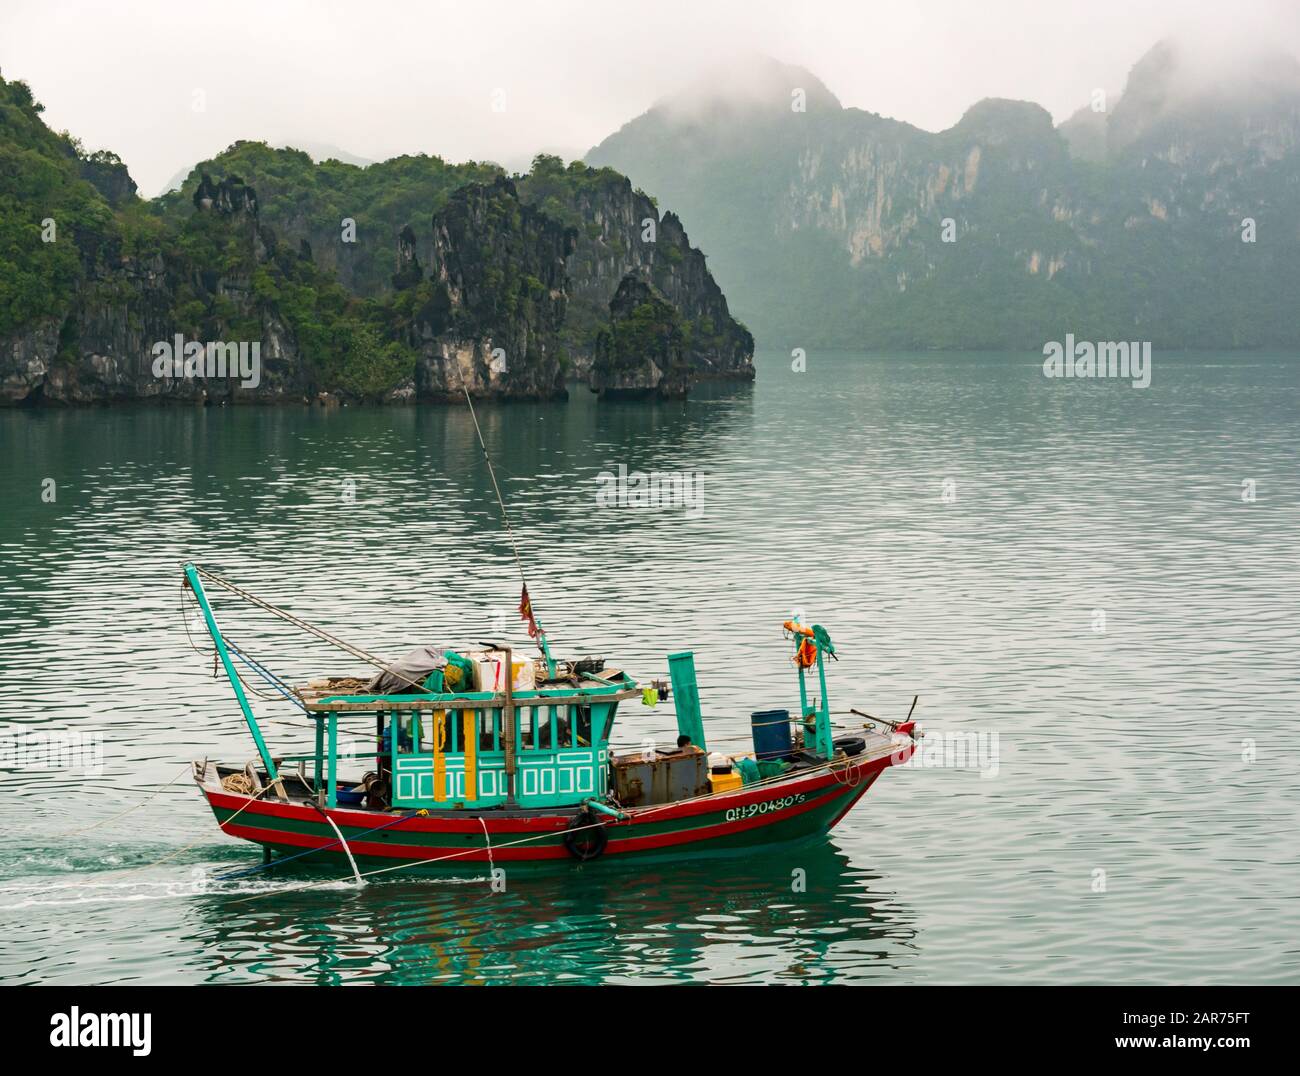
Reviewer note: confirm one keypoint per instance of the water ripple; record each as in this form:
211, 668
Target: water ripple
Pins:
958, 522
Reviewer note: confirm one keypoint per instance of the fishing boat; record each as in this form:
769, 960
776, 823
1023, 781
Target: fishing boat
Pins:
471, 755
480, 755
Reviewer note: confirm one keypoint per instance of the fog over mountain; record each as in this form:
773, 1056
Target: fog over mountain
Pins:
797, 182
1168, 212
410, 78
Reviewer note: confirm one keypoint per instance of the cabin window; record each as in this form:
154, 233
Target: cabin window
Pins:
550, 728
531, 724
581, 726
489, 729
408, 731
549, 736
483, 728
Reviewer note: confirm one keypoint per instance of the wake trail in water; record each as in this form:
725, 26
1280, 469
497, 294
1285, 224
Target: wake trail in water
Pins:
142, 890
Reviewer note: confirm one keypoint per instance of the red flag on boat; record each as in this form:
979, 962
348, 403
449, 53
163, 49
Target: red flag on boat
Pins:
526, 611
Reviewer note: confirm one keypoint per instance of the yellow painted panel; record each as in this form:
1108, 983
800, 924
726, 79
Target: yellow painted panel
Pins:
439, 759
470, 736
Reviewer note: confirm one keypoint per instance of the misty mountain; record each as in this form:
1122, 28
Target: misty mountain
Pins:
826, 225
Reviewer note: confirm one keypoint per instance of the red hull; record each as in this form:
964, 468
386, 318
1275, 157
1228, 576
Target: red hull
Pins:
793, 808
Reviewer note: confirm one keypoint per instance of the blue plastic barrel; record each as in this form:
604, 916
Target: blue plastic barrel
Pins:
771, 735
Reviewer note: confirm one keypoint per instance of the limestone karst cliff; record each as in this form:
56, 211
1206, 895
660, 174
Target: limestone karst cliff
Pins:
641, 353
619, 231
831, 226
486, 316
455, 278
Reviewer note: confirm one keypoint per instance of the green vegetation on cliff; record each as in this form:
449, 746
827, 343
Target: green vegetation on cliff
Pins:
322, 264
640, 352
226, 287
40, 180
303, 200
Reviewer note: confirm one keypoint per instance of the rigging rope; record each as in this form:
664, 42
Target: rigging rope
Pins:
342, 840
505, 518
356, 651
185, 623
185, 848
112, 818
298, 622
267, 675
298, 855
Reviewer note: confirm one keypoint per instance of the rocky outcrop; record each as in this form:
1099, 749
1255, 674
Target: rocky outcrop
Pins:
129, 301
489, 316
620, 231
351, 217
228, 197
104, 346
107, 174
641, 354
99, 348
349, 210
409, 273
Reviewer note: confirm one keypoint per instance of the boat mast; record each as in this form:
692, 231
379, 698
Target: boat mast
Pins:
192, 581
505, 518
817, 720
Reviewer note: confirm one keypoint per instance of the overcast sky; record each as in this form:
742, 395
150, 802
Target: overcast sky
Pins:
381, 78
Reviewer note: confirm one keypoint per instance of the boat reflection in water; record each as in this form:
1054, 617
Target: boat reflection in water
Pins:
727, 920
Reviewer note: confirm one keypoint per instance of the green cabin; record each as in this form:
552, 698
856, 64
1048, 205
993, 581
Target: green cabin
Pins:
542, 748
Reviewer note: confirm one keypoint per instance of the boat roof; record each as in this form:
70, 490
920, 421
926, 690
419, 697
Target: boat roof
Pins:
342, 694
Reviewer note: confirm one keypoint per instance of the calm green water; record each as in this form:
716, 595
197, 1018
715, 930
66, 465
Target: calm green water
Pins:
1138, 822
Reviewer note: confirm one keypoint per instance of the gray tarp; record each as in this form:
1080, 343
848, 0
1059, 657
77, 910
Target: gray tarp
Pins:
405, 675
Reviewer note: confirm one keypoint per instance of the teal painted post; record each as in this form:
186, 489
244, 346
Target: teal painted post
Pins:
546, 653
332, 796
686, 696
192, 576
824, 747
320, 753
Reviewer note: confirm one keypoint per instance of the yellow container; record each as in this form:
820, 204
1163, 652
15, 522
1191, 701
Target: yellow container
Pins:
725, 782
